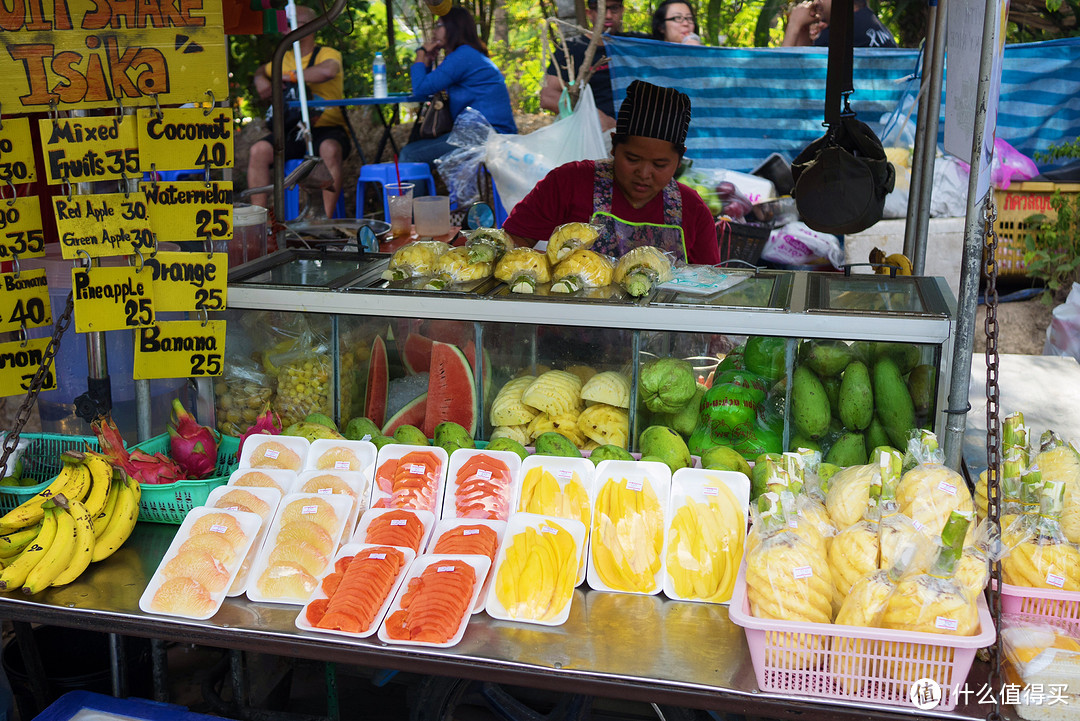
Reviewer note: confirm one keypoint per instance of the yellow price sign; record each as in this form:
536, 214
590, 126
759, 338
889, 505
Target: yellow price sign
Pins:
19, 361
190, 210
102, 224
16, 152
189, 281
81, 150
96, 54
20, 228
112, 298
180, 349
25, 300
185, 138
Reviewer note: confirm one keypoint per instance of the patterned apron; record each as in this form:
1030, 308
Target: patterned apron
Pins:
618, 236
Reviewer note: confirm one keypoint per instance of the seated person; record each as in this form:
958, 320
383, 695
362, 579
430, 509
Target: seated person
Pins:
467, 75
674, 21
634, 196
808, 24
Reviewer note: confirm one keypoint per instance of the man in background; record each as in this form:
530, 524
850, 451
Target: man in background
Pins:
808, 24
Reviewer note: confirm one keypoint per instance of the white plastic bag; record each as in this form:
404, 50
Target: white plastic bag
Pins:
1063, 334
518, 162
798, 244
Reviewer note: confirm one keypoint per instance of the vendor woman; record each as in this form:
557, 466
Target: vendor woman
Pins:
634, 195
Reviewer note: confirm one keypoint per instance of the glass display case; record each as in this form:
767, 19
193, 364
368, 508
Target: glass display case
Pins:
323, 332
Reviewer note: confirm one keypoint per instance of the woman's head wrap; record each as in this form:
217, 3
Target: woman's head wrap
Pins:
651, 111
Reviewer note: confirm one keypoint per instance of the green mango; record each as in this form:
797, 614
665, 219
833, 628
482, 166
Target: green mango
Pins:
321, 419
652, 459
685, 420
760, 472
312, 431
875, 435
809, 404
762, 440
381, 440
358, 427
766, 356
555, 444
922, 384
724, 458
733, 361
856, 397
798, 442
667, 444
848, 450
905, 355
451, 436
893, 401
826, 357
825, 471
831, 384
610, 452
508, 444
410, 436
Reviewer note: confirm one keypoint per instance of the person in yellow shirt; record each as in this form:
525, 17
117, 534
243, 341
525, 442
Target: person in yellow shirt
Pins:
325, 78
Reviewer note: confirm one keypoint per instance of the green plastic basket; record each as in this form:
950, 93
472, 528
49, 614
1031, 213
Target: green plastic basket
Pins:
41, 462
170, 502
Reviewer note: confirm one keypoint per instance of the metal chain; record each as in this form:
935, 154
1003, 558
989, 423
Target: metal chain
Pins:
23, 414
993, 442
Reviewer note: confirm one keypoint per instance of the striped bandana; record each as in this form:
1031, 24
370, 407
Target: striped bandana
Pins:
651, 111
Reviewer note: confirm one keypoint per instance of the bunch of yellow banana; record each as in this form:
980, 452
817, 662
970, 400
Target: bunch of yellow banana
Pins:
84, 515
705, 546
628, 535
536, 578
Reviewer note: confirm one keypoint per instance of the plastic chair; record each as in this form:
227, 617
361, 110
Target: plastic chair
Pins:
383, 173
292, 197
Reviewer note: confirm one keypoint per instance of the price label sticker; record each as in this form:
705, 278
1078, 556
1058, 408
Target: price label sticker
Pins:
180, 349
190, 210
325, 491
271, 454
564, 474
185, 138
218, 528
445, 569
470, 532
483, 474
945, 624
189, 281
417, 469
634, 485
19, 361
82, 150
377, 556
25, 300
342, 465
549, 529
367, 437
710, 491
20, 228
802, 572
102, 224
946, 487
17, 152
308, 510
399, 522
112, 299
1055, 580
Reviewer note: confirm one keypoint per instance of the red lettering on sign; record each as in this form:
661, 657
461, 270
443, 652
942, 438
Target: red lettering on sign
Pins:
63, 64
33, 59
37, 17
12, 19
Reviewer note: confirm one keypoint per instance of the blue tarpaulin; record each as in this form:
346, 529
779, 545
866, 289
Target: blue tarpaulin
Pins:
750, 102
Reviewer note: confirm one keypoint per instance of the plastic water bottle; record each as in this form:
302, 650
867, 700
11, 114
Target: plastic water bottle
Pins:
379, 71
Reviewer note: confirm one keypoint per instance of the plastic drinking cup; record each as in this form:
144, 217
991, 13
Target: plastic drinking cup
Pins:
432, 215
399, 196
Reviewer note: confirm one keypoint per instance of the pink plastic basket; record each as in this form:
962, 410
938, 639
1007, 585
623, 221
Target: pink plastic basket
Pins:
1041, 602
855, 663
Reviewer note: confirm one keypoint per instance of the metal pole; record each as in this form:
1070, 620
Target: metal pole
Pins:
143, 413
915, 187
932, 101
970, 267
301, 84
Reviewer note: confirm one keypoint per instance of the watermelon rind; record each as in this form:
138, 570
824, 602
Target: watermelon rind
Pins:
411, 414
451, 390
378, 379
416, 353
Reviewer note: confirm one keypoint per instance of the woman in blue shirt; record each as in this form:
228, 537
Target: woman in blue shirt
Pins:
468, 76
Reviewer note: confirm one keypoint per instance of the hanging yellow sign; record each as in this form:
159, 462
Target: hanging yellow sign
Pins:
25, 300
180, 349
185, 138
20, 228
103, 224
189, 210
80, 150
97, 53
112, 298
19, 361
189, 281
16, 151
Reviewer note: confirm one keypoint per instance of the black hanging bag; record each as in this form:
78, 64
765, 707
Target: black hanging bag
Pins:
842, 178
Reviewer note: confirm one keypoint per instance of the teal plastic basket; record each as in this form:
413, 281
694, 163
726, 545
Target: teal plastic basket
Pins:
170, 502
41, 462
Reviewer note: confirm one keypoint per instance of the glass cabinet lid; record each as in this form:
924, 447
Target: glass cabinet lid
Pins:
764, 290
900, 295
305, 268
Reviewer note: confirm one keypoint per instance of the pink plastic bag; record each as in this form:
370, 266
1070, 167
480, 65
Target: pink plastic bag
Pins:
1009, 164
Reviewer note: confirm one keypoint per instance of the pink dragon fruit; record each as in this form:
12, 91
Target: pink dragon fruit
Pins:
140, 465
192, 446
267, 423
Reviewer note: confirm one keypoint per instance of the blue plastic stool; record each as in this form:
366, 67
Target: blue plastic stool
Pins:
500, 211
383, 173
292, 197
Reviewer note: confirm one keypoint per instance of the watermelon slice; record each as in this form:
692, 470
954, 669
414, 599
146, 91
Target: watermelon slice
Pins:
377, 380
412, 414
416, 355
451, 390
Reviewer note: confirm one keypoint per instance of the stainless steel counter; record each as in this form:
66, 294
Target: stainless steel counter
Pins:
632, 647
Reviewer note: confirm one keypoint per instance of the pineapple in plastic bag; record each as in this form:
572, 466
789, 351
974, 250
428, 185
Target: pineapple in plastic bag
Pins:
930, 491
568, 238
454, 266
811, 520
582, 269
855, 550
486, 245
415, 259
1045, 559
1014, 446
849, 492
898, 530
641, 268
1059, 461
522, 269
